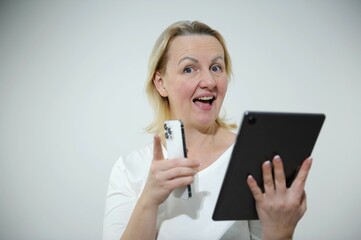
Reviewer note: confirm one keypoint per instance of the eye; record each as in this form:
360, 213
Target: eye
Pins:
216, 68
188, 70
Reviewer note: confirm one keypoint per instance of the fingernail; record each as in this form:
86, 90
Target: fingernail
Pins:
267, 164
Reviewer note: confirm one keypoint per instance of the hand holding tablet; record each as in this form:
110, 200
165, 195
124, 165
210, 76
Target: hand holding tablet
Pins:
262, 136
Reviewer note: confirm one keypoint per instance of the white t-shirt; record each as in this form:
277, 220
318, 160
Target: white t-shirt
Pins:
177, 218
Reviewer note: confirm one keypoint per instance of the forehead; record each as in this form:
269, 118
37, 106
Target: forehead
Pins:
203, 45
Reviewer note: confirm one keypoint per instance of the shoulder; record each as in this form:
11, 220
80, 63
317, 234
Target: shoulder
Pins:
135, 164
140, 156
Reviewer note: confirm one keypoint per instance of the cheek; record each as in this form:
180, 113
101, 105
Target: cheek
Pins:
183, 89
178, 93
223, 86
183, 93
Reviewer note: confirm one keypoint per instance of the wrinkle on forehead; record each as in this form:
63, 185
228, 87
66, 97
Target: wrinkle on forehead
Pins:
187, 46
196, 61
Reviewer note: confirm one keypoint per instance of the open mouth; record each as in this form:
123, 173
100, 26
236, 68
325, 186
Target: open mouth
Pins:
206, 100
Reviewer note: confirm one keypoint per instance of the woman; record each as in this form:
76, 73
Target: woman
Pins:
188, 77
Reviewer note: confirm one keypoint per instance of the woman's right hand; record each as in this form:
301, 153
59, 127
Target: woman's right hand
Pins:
166, 175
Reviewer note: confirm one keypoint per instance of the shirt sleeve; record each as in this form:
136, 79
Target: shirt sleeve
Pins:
120, 202
255, 229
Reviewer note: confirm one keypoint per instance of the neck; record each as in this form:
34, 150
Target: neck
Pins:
207, 146
195, 138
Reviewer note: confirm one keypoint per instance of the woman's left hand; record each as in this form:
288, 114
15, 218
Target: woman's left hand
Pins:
280, 208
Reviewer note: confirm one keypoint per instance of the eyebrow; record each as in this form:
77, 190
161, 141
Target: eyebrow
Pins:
188, 58
216, 58
196, 61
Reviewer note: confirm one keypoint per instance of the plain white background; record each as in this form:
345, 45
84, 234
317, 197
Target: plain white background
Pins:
72, 100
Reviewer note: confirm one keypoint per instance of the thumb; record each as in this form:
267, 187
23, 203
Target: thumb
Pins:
157, 148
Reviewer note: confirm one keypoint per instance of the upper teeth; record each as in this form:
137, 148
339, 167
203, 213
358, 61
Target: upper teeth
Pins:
205, 98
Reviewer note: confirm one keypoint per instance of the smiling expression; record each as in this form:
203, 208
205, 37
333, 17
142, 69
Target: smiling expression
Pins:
195, 79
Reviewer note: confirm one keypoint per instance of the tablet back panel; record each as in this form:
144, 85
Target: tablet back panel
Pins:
263, 135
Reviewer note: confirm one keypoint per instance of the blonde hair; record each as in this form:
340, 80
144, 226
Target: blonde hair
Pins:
157, 63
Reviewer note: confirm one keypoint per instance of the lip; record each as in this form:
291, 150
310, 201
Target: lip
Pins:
203, 105
205, 95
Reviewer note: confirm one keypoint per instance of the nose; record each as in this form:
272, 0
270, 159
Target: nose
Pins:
207, 80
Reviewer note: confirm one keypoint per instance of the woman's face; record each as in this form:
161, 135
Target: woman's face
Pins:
195, 80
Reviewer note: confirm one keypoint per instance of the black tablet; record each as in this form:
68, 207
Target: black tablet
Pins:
262, 135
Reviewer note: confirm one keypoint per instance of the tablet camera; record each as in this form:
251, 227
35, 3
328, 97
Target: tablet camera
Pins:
252, 120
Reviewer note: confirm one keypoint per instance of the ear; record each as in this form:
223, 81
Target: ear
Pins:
159, 84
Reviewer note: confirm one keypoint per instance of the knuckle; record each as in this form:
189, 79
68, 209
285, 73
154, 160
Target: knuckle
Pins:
268, 184
186, 181
177, 172
177, 163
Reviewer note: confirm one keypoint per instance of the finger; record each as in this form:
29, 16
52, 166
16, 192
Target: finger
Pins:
180, 182
177, 163
300, 180
184, 162
267, 177
157, 148
279, 174
255, 190
179, 172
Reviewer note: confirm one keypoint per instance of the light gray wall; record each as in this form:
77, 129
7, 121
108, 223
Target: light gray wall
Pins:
72, 100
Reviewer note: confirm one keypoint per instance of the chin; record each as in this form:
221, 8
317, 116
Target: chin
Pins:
206, 122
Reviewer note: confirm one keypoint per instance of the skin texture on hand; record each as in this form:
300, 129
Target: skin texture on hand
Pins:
164, 176
280, 208
167, 175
